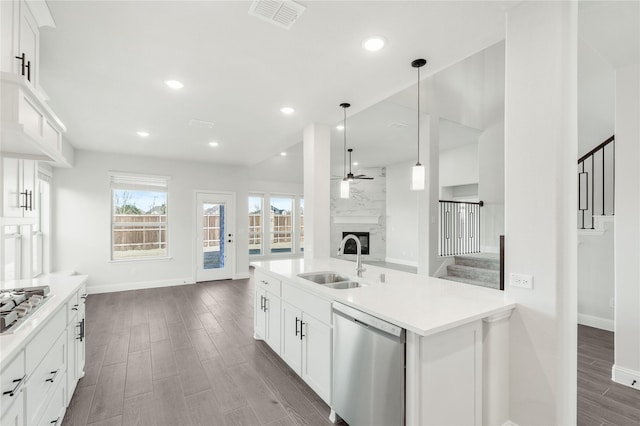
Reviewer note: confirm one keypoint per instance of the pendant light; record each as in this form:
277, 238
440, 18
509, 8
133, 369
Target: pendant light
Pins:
417, 171
344, 184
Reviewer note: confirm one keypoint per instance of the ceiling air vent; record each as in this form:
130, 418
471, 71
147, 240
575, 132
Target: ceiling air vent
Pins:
281, 13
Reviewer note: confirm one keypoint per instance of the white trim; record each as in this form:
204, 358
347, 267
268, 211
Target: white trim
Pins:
401, 261
596, 322
442, 269
241, 275
110, 288
509, 423
625, 376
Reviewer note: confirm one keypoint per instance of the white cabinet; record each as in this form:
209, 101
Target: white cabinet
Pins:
267, 310
306, 337
12, 380
18, 187
297, 326
75, 340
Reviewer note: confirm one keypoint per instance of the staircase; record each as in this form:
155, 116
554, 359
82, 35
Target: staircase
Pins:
481, 269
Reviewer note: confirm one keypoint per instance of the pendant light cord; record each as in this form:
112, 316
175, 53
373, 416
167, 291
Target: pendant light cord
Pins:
344, 157
418, 163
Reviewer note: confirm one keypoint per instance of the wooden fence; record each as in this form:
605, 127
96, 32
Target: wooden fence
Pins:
139, 232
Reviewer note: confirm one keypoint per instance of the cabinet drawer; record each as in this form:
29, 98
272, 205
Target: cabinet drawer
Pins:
52, 414
45, 338
307, 302
11, 380
49, 374
267, 282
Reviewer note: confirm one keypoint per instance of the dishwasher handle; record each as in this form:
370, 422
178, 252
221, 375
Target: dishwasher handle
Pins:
369, 321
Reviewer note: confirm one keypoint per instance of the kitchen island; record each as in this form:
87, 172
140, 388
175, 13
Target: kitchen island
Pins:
457, 334
42, 359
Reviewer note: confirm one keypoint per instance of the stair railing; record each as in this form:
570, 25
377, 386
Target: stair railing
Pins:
459, 227
596, 183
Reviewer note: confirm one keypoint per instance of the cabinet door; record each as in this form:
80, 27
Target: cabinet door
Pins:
11, 182
291, 343
316, 356
28, 40
72, 343
272, 328
81, 339
28, 186
260, 319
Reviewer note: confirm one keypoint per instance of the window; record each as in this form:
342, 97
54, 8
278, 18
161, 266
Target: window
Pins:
138, 216
301, 221
255, 224
281, 225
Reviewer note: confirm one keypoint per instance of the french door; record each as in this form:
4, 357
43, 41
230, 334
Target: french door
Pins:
215, 249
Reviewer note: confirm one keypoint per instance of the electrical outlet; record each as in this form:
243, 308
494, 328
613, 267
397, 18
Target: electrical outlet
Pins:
521, 280
612, 302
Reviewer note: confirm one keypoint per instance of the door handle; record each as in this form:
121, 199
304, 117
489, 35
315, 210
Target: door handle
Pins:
266, 307
262, 303
297, 326
301, 324
18, 383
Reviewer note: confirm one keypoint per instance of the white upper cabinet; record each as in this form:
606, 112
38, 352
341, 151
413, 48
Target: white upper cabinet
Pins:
30, 128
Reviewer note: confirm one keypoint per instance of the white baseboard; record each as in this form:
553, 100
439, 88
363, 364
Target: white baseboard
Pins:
509, 423
625, 376
241, 275
110, 288
401, 261
596, 322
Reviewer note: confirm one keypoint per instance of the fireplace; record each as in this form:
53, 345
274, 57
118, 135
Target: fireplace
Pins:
350, 246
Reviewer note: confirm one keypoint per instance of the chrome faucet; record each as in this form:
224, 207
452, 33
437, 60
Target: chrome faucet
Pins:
359, 268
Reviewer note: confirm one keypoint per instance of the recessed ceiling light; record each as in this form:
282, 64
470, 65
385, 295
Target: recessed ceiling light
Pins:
174, 84
287, 110
213, 144
373, 44
142, 134
284, 154
340, 127
355, 163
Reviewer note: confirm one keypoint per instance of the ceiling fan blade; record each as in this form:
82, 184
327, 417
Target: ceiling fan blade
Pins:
363, 177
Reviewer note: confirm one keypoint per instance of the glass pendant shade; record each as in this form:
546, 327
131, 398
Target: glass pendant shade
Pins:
417, 177
344, 189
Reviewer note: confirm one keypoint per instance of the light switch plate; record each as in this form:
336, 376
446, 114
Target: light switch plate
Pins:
521, 280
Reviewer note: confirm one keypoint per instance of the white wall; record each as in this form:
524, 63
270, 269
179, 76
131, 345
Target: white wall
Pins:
459, 166
82, 219
627, 230
596, 277
596, 99
491, 186
540, 219
402, 215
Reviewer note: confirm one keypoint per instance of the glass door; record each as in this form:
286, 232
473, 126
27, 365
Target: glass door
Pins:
215, 250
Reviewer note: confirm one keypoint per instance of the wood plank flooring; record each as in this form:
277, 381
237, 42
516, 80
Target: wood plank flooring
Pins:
600, 400
185, 355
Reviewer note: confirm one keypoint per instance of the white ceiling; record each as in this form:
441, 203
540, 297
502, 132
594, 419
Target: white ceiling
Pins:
105, 63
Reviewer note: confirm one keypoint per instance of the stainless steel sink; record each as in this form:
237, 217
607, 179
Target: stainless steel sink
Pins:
327, 277
345, 285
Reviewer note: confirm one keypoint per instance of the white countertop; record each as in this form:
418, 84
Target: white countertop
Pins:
421, 304
61, 289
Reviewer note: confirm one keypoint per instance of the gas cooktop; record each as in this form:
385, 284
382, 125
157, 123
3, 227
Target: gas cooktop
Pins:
17, 304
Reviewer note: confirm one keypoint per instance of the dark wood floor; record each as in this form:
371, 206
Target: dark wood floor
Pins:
185, 356
600, 400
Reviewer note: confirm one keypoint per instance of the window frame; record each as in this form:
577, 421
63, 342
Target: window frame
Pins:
266, 253
138, 182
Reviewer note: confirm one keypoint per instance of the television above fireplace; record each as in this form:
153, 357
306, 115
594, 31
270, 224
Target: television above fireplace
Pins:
350, 246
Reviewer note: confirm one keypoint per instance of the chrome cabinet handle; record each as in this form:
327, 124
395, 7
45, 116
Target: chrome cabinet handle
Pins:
53, 378
18, 383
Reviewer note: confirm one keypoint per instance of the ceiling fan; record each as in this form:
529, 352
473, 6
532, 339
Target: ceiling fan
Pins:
350, 176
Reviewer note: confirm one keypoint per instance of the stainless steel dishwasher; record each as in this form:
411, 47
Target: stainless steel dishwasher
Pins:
368, 369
